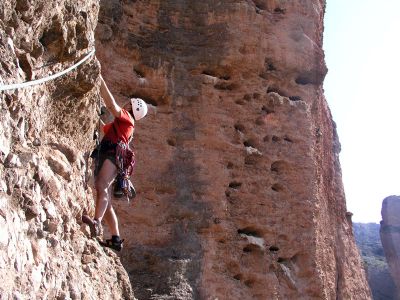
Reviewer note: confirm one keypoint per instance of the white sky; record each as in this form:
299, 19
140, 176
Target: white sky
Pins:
362, 52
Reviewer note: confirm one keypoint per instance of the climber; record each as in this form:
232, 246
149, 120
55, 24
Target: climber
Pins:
116, 133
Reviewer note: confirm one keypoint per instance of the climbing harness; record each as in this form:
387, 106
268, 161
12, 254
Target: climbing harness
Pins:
48, 78
125, 160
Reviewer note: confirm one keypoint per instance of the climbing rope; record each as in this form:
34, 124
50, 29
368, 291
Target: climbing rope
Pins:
51, 77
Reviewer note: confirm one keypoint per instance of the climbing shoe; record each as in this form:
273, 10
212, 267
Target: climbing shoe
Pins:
94, 225
114, 243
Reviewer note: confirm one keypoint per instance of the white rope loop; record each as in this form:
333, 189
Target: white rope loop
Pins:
48, 78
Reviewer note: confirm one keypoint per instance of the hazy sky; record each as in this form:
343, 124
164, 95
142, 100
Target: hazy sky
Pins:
362, 52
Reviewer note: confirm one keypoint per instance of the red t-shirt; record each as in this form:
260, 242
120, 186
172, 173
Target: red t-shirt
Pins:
124, 127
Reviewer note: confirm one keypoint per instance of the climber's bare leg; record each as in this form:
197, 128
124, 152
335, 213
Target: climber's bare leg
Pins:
103, 183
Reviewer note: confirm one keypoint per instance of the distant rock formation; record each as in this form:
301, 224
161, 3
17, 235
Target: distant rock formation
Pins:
390, 235
369, 242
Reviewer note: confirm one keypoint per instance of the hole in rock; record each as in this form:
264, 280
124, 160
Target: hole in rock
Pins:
281, 260
238, 276
294, 258
8, 100
295, 98
52, 38
287, 139
256, 95
263, 75
251, 231
225, 77
250, 248
277, 187
247, 97
209, 73
260, 4
240, 102
303, 80
267, 110
266, 138
277, 91
82, 41
274, 249
139, 73
83, 14
260, 121
25, 65
230, 165
250, 282
278, 166
250, 143
227, 193
221, 74
275, 138
271, 67
171, 142
274, 168
235, 185
239, 127
224, 86
279, 10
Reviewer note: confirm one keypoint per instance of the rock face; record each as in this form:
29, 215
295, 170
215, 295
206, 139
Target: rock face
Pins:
45, 136
369, 242
239, 184
390, 236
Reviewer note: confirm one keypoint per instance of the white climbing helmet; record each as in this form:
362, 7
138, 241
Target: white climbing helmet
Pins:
139, 108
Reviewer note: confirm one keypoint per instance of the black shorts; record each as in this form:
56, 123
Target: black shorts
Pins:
106, 150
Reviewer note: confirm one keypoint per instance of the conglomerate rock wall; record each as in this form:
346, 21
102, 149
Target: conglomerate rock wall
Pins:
238, 180
45, 137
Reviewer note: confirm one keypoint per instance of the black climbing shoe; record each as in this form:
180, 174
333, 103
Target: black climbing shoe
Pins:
94, 225
113, 243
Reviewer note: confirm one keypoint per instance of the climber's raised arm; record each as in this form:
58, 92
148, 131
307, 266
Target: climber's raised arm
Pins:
109, 100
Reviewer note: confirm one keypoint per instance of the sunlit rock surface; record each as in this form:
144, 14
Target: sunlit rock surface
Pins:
239, 185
